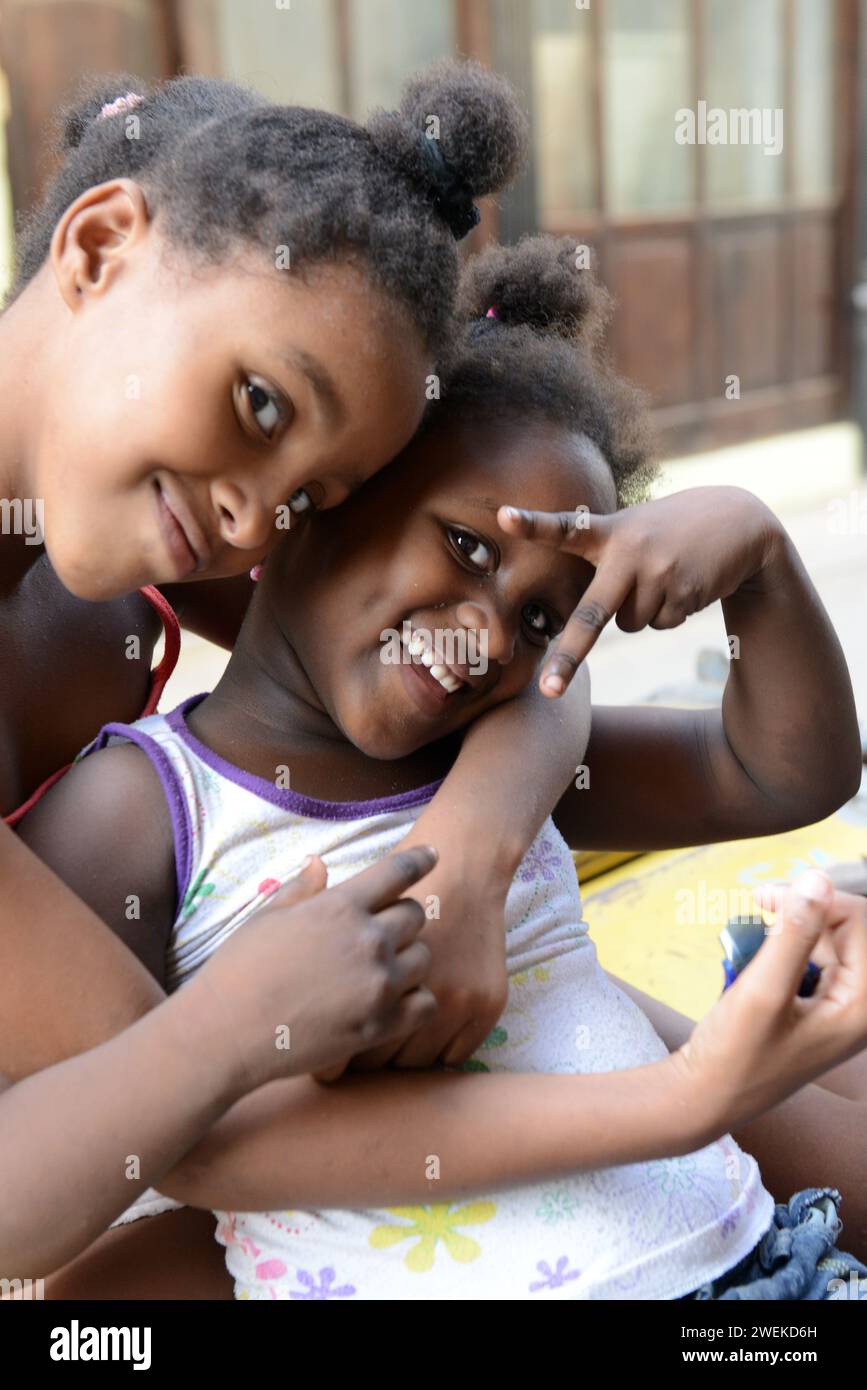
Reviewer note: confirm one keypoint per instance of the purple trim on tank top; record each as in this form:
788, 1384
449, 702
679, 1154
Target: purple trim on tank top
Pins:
284, 797
182, 830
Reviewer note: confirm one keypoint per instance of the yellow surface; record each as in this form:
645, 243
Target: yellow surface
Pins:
656, 920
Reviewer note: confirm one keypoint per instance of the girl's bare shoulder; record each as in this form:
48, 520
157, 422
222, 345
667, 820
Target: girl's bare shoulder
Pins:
105, 829
69, 667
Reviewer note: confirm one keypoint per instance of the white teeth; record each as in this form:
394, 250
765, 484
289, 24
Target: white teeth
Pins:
417, 647
299, 501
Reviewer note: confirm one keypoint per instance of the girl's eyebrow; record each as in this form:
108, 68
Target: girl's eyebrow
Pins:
320, 380
487, 504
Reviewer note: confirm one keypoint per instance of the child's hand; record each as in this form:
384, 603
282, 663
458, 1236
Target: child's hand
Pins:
467, 977
655, 563
760, 1041
316, 976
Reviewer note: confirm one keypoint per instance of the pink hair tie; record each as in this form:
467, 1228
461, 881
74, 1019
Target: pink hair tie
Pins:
113, 108
493, 312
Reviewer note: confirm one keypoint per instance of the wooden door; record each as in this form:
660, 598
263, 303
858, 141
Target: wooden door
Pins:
732, 265
46, 45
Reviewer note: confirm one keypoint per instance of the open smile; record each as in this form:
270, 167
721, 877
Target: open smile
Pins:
428, 684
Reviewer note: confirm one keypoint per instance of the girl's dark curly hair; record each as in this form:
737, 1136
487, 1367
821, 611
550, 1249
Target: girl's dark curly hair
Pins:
540, 353
222, 166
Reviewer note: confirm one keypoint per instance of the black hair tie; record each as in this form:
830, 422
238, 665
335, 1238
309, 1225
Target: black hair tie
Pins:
452, 195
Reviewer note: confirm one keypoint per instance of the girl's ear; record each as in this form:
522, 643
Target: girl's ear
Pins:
94, 235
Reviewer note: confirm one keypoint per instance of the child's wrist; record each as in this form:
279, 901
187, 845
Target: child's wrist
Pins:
696, 1108
203, 1041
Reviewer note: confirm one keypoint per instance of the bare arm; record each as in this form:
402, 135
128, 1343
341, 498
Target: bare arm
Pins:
515, 760
782, 752
129, 1108
818, 1136
519, 756
54, 951
849, 1079
82, 1138
367, 1140
364, 1140
66, 1132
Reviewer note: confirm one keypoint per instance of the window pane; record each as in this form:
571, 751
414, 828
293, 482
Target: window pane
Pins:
389, 40
290, 55
562, 118
744, 67
814, 110
646, 67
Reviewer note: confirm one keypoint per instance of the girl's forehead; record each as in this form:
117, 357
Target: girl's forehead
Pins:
536, 464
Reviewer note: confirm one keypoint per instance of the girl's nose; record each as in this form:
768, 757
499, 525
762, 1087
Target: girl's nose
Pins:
244, 520
480, 617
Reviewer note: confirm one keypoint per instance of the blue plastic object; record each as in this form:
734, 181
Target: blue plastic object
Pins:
741, 938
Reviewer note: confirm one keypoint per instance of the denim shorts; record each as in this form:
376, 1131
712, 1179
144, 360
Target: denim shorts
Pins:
796, 1258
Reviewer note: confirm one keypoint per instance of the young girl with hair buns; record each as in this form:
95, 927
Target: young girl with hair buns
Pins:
224, 312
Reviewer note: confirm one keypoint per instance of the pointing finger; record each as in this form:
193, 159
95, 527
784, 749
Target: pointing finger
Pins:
601, 600
378, 886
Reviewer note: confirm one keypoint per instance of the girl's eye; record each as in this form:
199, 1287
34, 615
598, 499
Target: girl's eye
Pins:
538, 621
269, 409
472, 548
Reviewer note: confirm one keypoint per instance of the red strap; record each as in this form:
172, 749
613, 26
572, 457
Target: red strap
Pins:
172, 634
159, 677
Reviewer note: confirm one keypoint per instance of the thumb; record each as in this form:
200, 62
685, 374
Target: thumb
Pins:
310, 880
801, 917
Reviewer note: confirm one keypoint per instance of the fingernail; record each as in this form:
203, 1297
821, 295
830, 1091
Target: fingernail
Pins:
431, 850
813, 886
513, 513
554, 683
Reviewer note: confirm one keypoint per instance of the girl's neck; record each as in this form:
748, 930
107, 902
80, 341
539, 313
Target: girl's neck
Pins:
264, 718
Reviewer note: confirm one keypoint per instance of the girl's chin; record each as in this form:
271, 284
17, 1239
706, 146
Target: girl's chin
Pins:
90, 585
384, 748
387, 739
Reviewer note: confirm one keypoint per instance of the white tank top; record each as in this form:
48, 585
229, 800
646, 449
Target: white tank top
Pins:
641, 1230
